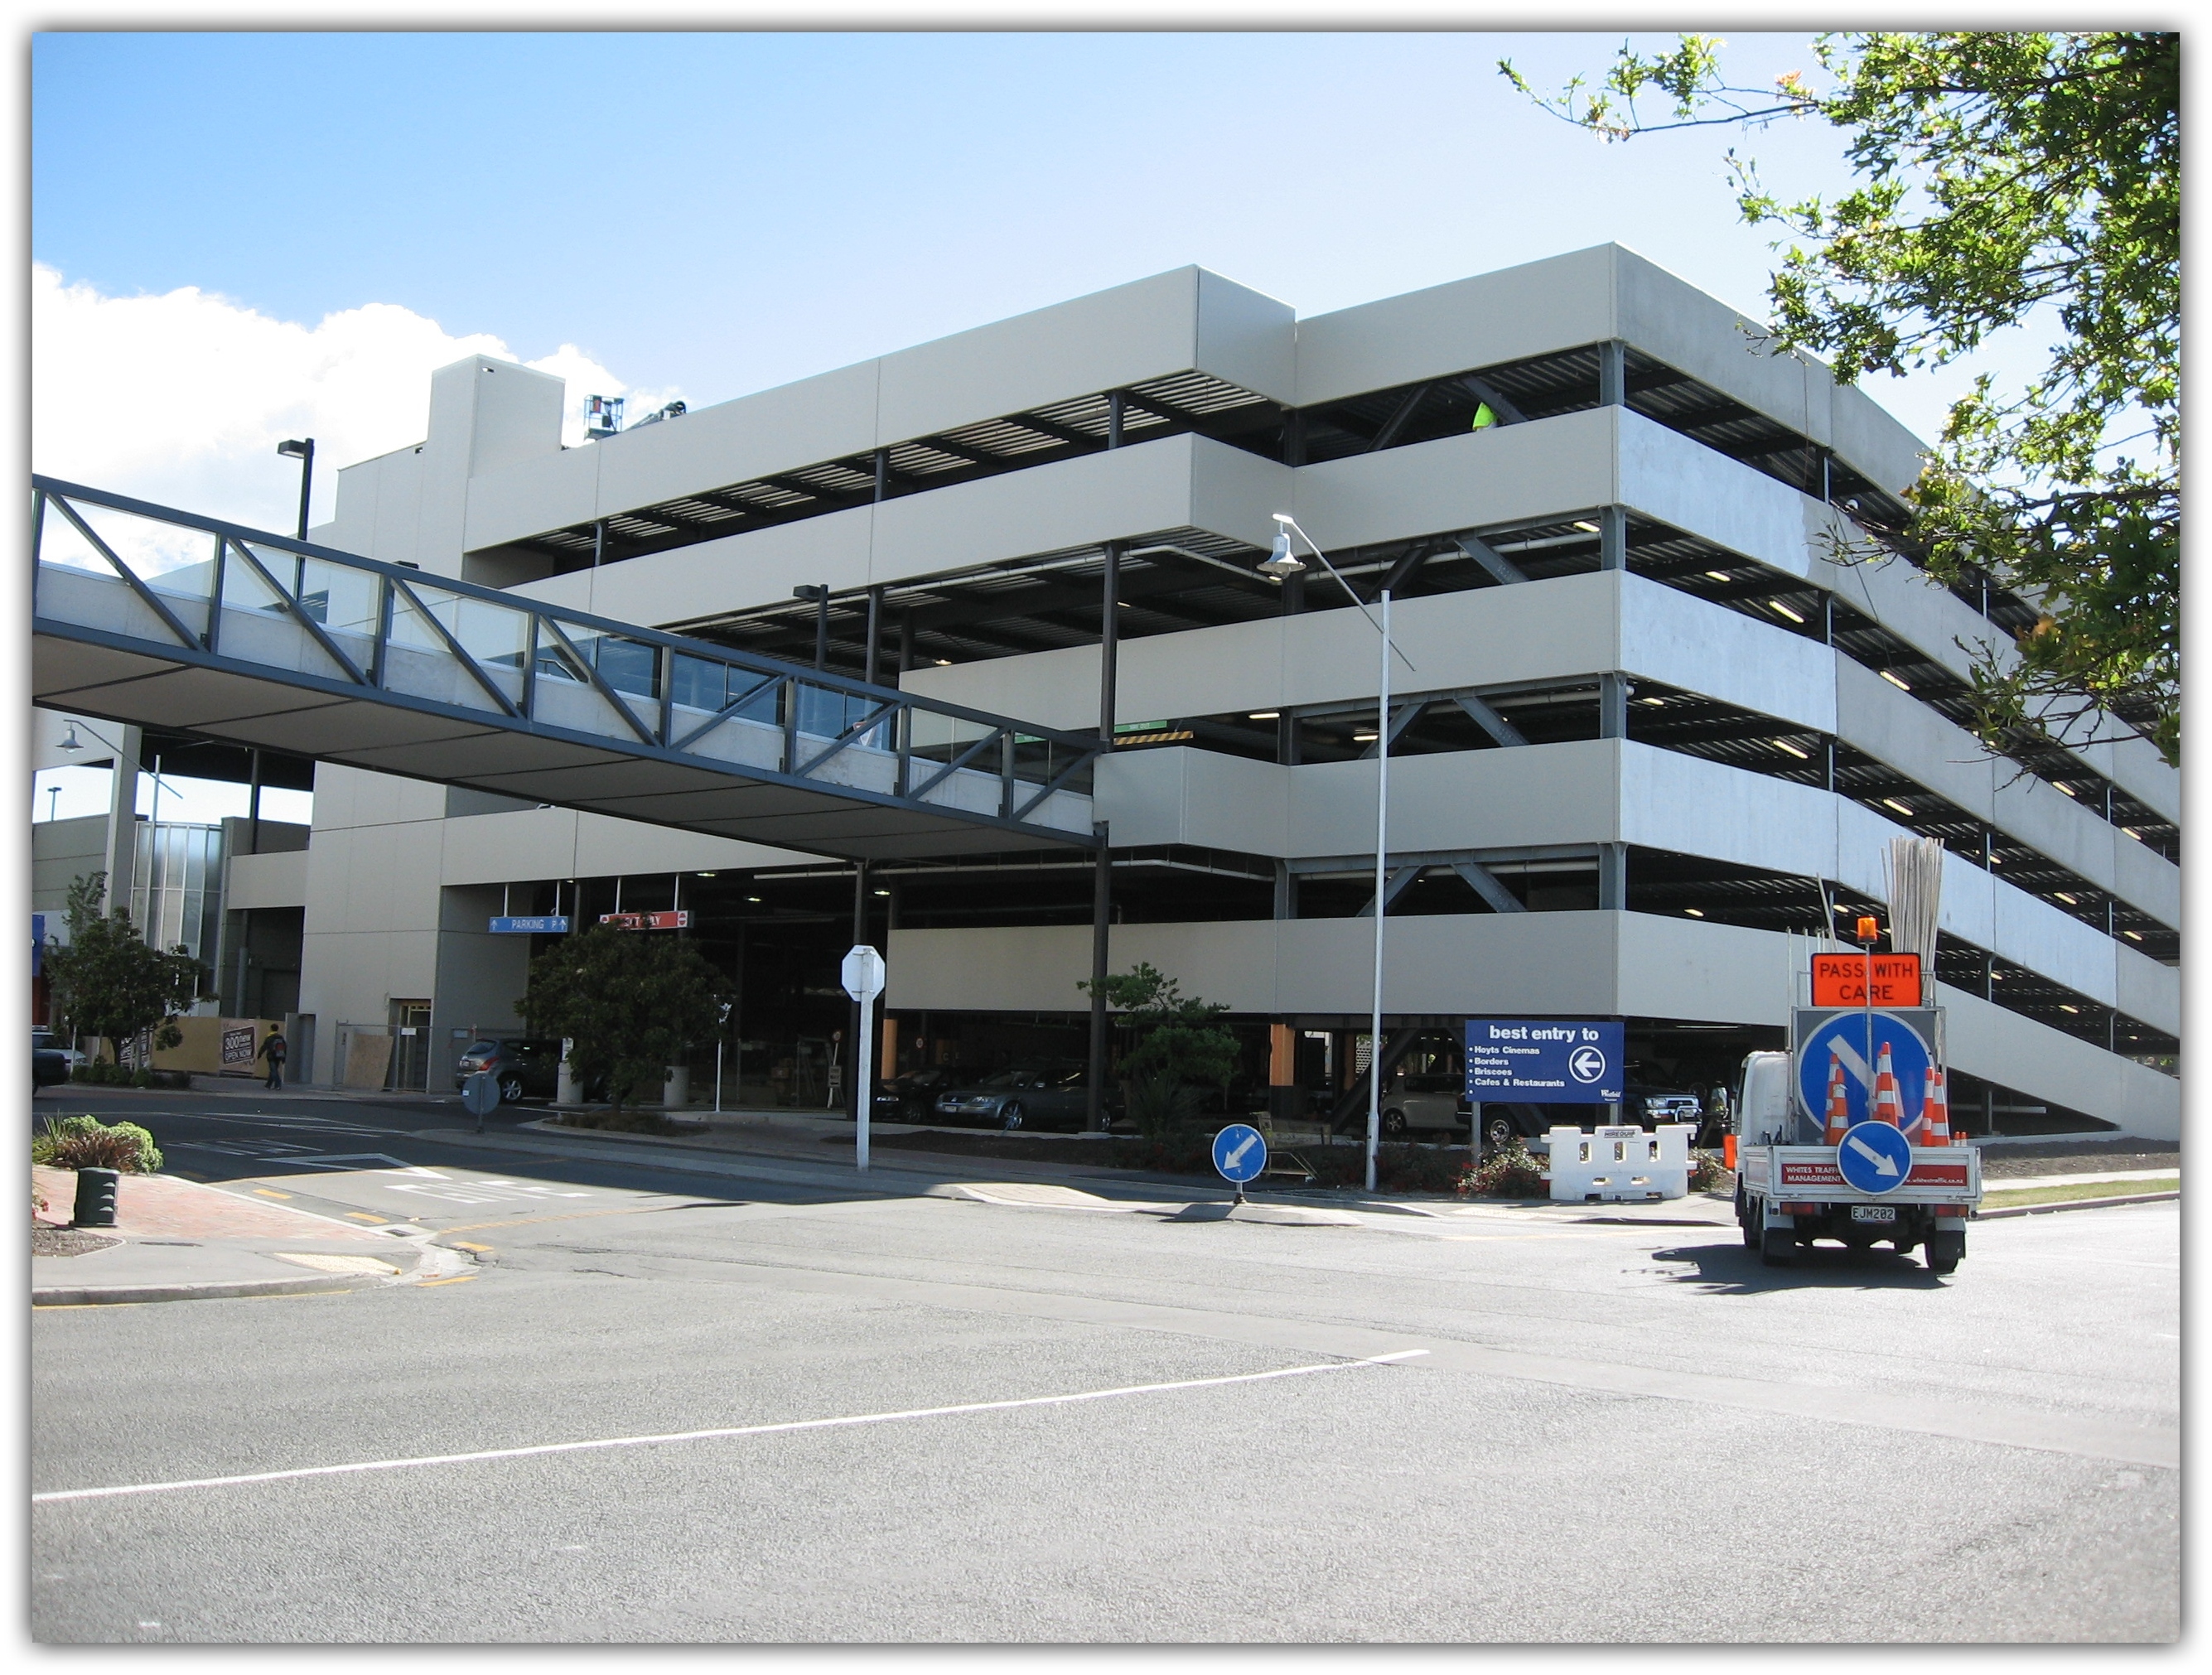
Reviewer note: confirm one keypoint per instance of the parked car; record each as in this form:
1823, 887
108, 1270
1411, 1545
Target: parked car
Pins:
524, 1069
50, 1061
1424, 1101
1650, 1102
909, 1097
1644, 1103
1050, 1097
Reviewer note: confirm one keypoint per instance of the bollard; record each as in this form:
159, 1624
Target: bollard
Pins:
95, 1198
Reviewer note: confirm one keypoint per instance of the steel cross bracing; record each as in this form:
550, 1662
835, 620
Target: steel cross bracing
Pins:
152, 616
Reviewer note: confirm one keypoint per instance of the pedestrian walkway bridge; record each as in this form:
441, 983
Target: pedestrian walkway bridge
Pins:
156, 617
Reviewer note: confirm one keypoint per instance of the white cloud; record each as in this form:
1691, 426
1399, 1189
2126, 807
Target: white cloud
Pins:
182, 398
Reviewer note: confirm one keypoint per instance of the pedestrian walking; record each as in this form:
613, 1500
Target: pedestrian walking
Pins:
275, 1049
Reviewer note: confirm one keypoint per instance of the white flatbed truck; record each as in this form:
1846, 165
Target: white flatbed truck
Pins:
1791, 1188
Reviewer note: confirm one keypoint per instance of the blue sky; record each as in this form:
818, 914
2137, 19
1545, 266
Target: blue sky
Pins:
715, 213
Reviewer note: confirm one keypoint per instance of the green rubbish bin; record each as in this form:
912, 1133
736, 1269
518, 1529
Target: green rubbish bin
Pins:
96, 1197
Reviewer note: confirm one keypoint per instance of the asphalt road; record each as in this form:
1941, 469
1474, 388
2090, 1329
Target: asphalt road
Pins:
1607, 1432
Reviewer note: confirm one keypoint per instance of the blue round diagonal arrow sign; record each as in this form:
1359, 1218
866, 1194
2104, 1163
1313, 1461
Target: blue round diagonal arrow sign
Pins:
1874, 1156
1240, 1152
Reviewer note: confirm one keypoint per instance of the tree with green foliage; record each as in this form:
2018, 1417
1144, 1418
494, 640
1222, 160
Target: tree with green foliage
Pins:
107, 982
628, 1002
1178, 1045
2008, 180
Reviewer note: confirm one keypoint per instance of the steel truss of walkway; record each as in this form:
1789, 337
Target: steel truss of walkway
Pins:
156, 617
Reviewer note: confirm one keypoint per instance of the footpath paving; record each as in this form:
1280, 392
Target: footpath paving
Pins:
176, 1240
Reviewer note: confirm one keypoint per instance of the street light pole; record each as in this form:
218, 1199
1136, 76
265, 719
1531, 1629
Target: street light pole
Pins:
303, 450
1283, 563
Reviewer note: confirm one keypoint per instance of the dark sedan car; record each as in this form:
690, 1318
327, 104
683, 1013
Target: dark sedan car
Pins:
1056, 1096
908, 1098
524, 1069
50, 1062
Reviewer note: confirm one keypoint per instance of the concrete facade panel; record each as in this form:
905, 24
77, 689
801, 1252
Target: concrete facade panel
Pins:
1178, 796
1671, 636
1560, 302
266, 880
2147, 990
1144, 330
1692, 807
1537, 630
1506, 474
1538, 794
1984, 1040
551, 491
2149, 881
1874, 716
1678, 967
1074, 503
2037, 935
480, 977
1666, 476
665, 589
1247, 338
805, 423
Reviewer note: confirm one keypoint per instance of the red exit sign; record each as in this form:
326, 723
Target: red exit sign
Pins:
677, 920
1840, 980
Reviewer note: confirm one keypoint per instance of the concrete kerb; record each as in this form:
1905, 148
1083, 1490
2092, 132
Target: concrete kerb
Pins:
146, 1266
941, 1170
2007, 1212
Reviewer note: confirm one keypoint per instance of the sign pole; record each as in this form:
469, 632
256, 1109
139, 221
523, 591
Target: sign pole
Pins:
861, 1102
863, 974
1869, 934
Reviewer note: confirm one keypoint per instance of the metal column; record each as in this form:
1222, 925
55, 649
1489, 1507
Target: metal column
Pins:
1102, 907
1102, 892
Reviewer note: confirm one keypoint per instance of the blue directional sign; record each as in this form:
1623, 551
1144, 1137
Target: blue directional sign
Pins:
1875, 1157
1545, 1059
1240, 1152
1844, 1038
526, 924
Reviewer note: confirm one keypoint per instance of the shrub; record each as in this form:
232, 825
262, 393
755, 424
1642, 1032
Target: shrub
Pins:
1510, 1174
1187, 1153
1165, 1109
1706, 1172
1399, 1166
86, 1142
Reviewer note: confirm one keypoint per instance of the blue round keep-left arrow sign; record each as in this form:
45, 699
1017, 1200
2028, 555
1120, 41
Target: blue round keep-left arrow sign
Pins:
1874, 1156
1240, 1152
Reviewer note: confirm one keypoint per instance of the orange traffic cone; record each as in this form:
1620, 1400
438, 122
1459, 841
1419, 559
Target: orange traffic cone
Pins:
1888, 1097
1935, 1111
1840, 1110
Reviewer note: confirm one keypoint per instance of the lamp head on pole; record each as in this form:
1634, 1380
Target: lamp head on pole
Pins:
298, 448
1280, 563
72, 745
1870, 933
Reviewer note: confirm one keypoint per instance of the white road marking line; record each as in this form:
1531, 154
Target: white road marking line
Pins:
712, 1436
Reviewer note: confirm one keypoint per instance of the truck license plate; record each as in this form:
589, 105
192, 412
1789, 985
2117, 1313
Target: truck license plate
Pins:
1874, 1212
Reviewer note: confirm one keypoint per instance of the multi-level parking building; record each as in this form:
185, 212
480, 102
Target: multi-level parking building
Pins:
1665, 695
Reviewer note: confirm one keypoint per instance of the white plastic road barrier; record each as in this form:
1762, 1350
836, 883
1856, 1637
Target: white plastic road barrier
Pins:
1616, 1164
